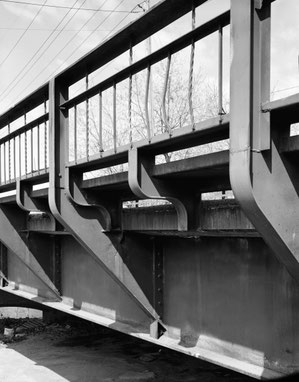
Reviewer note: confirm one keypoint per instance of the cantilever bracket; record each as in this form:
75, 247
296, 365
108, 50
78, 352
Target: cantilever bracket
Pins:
144, 186
77, 198
26, 202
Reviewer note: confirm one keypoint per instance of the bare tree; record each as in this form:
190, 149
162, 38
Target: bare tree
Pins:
130, 116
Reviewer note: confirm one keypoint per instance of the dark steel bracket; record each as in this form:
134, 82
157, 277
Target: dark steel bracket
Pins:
144, 186
259, 177
28, 203
77, 198
84, 223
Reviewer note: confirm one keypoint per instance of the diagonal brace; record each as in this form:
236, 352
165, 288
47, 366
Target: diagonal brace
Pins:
12, 222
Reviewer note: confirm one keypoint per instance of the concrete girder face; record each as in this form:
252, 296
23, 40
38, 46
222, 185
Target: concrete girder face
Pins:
84, 222
261, 182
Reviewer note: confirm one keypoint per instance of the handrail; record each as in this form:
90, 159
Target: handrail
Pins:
173, 47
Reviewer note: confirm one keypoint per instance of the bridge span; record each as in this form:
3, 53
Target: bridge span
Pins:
198, 254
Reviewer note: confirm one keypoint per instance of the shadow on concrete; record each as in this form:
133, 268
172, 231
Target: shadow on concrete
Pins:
90, 353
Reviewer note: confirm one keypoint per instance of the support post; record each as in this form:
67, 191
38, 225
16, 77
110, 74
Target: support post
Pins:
3, 265
259, 179
156, 330
85, 224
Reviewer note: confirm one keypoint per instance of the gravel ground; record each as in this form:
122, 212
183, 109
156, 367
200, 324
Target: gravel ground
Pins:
81, 351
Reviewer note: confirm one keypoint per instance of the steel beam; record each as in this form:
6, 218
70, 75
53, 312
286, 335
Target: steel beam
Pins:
260, 180
84, 223
3, 265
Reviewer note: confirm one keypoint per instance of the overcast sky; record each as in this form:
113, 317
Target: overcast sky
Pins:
56, 37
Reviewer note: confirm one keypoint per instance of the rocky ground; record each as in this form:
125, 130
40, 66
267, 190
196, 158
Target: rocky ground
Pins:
76, 350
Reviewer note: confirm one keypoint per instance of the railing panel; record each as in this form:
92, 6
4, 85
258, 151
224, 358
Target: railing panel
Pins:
152, 88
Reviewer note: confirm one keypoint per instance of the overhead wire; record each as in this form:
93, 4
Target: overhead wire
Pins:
42, 71
94, 30
9, 86
82, 42
23, 34
64, 7
112, 30
50, 29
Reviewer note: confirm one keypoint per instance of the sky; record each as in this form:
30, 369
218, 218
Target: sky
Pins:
38, 41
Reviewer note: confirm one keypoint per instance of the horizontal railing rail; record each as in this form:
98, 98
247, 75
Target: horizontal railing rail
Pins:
24, 150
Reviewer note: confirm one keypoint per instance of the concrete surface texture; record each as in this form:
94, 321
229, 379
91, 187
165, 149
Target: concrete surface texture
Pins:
18, 312
84, 352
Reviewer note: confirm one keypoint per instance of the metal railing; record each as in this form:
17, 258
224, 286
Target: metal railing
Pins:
143, 66
24, 142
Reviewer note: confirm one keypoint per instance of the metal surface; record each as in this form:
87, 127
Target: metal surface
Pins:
198, 274
145, 187
251, 167
81, 222
12, 222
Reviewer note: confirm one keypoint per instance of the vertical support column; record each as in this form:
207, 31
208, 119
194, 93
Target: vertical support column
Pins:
259, 178
3, 265
158, 277
83, 222
57, 262
158, 287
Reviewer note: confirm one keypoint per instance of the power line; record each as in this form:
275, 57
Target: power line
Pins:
23, 34
51, 29
67, 43
94, 30
51, 75
112, 30
58, 52
65, 7
39, 49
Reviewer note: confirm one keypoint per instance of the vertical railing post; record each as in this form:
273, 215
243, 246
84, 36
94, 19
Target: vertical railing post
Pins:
114, 119
45, 136
87, 120
220, 71
9, 154
38, 148
101, 123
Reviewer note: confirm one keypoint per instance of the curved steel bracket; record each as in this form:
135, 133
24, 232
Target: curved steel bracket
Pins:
26, 202
77, 198
259, 177
144, 186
